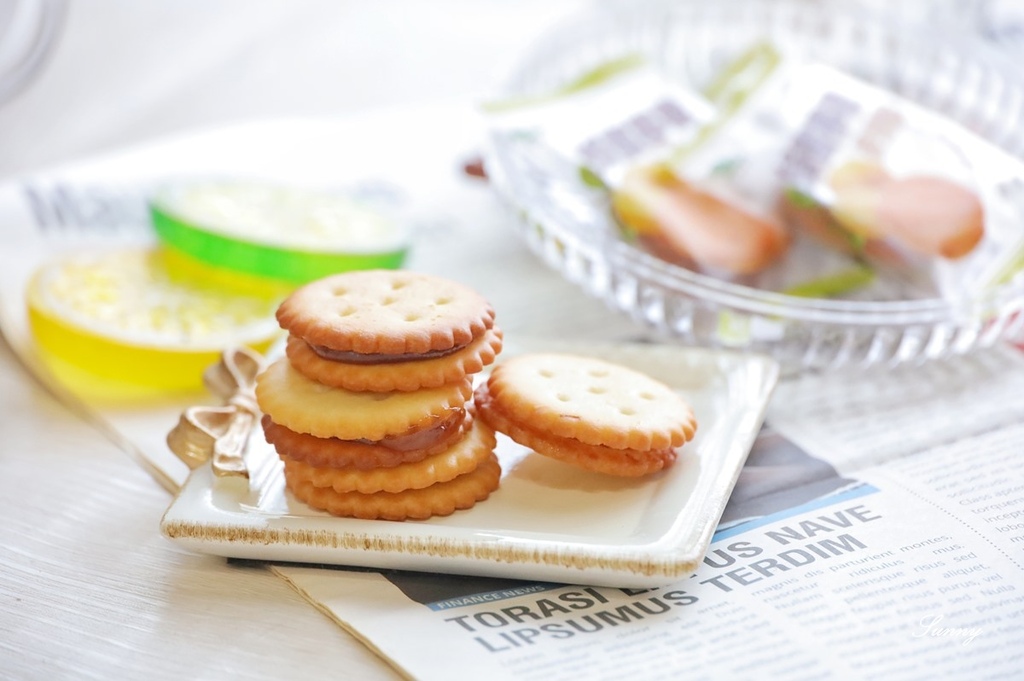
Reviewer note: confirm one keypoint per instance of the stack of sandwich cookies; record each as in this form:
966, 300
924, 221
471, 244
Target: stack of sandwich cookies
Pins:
382, 331
370, 410
597, 415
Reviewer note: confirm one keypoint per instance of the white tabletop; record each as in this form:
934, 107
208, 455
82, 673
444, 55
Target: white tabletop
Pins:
91, 589
121, 72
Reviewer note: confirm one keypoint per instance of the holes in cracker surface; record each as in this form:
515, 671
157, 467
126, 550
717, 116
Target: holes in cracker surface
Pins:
547, 373
339, 291
389, 300
399, 285
412, 317
627, 411
347, 311
647, 396
597, 390
597, 373
562, 397
443, 300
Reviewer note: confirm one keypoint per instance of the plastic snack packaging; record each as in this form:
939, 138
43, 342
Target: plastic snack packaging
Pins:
791, 176
619, 123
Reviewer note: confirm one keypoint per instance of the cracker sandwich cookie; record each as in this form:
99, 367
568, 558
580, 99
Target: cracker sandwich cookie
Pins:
387, 330
302, 405
371, 408
587, 412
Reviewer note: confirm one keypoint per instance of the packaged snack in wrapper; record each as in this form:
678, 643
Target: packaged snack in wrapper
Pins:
879, 193
890, 189
709, 204
619, 124
610, 119
791, 176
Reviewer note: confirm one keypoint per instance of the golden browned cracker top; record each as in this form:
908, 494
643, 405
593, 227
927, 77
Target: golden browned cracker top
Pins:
386, 312
592, 401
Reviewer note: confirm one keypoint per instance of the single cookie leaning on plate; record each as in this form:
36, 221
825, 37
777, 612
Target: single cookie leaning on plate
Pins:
587, 412
386, 330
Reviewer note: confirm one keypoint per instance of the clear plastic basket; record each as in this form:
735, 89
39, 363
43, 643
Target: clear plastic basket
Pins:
569, 225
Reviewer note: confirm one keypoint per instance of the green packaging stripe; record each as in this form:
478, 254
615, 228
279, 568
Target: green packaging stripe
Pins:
283, 264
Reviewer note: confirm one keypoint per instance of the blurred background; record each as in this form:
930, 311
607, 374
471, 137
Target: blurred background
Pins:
77, 78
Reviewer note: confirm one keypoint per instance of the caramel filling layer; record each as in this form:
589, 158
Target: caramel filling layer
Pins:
444, 426
349, 357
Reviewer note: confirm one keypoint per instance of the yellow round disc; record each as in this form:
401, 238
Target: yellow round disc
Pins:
126, 318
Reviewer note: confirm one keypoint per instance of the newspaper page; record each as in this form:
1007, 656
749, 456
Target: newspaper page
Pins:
888, 544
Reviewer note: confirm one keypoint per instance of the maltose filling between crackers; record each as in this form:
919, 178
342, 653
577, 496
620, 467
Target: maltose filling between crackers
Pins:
349, 357
443, 425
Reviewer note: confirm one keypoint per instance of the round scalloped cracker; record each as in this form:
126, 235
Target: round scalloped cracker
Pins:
305, 406
400, 376
441, 499
626, 463
390, 312
592, 401
457, 460
330, 452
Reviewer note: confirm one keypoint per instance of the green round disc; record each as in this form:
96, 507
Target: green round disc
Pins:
284, 233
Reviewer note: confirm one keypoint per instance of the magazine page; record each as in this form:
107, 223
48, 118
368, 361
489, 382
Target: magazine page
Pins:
911, 567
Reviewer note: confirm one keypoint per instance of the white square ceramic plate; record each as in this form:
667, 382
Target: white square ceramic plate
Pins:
548, 521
